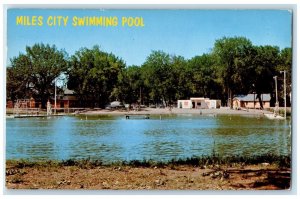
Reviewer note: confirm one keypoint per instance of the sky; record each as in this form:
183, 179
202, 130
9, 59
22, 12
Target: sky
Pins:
178, 32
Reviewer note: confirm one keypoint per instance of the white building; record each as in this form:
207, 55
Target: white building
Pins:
199, 103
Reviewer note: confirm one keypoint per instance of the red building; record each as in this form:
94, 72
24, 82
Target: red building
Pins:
65, 100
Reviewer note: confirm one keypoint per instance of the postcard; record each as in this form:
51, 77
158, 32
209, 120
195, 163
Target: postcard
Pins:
148, 99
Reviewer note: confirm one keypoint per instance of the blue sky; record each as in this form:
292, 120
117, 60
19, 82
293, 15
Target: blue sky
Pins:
178, 32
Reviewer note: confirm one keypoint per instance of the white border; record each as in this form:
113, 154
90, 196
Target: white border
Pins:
154, 4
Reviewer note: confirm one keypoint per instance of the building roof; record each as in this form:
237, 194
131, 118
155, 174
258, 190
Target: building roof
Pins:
250, 97
199, 98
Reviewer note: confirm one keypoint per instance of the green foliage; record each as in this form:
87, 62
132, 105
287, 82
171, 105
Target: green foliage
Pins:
203, 77
285, 63
129, 86
165, 78
93, 75
232, 56
157, 75
235, 66
265, 60
32, 74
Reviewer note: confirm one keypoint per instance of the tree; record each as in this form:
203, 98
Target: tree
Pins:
93, 75
230, 53
204, 77
130, 85
158, 75
264, 62
17, 80
285, 64
181, 78
33, 73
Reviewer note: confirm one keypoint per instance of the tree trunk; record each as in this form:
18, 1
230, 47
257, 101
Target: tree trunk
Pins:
231, 98
43, 101
260, 101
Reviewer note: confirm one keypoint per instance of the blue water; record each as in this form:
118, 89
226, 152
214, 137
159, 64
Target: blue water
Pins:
115, 138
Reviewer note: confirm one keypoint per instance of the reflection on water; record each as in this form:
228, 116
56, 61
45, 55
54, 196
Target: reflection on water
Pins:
115, 138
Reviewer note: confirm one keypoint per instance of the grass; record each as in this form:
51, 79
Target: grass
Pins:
280, 161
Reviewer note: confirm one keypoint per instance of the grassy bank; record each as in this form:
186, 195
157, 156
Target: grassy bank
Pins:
280, 161
195, 173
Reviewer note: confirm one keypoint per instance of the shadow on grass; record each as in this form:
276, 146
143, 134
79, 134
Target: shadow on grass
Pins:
266, 179
279, 180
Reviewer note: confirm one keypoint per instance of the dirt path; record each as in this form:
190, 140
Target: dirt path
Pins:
257, 177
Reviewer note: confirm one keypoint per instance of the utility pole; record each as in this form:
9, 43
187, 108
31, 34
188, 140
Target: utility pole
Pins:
284, 85
276, 103
55, 96
254, 100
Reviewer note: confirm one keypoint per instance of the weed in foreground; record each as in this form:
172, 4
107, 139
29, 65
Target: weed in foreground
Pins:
202, 161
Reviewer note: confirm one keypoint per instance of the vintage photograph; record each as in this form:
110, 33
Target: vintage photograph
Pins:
148, 99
